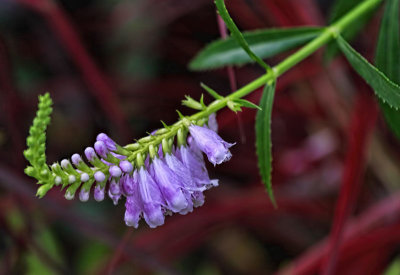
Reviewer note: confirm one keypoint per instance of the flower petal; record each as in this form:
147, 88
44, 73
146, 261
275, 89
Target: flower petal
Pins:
169, 186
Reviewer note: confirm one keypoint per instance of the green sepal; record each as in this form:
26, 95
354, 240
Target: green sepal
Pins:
213, 93
248, 104
180, 115
164, 125
234, 106
191, 103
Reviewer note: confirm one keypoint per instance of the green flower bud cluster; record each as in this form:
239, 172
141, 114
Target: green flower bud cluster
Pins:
36, 142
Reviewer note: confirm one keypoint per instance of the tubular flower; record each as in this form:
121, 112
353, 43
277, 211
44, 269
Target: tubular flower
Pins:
216, 149
161, 180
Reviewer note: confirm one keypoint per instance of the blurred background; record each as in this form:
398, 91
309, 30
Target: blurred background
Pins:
120, 67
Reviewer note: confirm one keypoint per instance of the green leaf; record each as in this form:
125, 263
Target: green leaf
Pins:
384, 88
263, 138
394, 267
223, 12
248, 104
264, 43
387, 58
340, 8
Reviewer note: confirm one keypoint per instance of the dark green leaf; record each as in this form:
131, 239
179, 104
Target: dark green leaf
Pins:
264, 43
248, 104
263, 138
387, 57
223, 12
340, 8
384, 88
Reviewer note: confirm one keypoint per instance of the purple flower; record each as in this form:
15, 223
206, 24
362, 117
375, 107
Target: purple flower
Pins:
151, 198
212, 122
90, 154
196, 167
126, 166
99, 176
114, 187
114, 197
83, 195
133, 211
85, 177
129, 184
98, 193
115, 171
101, 149
169, 185
76, 159
109, 143
185, 180
216, 149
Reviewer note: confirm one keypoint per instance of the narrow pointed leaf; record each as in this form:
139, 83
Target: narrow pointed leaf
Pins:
264, 43
223, 12
387, 57
384, 88
248, 104
263, 138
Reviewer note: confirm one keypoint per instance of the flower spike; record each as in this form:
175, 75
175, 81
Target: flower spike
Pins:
161, 174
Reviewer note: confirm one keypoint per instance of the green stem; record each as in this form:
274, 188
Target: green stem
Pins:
326, 36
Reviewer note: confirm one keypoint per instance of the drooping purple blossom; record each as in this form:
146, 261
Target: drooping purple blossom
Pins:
114, 197
115, 188
84, 195
151, 198
101, 149
98, 193
216, 149
169, 185
133, 211
212, 122
197, 168
109, 143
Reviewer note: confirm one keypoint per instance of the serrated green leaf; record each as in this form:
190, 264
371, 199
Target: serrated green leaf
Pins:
263, 138
340, 8
384, 88
211, 91
387, 58
264, 43
223, 12
248, 104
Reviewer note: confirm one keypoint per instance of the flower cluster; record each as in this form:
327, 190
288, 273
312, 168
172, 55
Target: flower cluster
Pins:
154, 183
